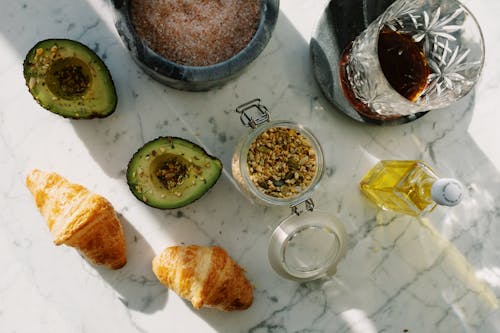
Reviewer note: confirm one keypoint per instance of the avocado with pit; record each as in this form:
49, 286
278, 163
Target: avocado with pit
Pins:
69, 79
171, 172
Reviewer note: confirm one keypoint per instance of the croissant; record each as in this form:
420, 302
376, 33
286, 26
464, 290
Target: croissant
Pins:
79, 218
207, 276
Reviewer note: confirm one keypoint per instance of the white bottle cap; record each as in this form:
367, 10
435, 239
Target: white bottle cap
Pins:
447, 192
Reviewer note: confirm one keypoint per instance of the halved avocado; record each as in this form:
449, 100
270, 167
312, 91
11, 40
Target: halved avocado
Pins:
69, 79
171, 172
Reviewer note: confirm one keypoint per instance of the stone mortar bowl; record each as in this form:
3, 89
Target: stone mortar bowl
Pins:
194, 78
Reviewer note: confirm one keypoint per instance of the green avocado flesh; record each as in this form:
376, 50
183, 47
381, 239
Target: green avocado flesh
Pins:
171, 172
69, 79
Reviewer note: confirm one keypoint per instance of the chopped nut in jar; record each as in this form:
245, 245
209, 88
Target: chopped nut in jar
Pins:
281, 162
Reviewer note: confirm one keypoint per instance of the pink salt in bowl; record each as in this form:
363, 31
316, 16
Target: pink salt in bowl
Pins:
153, 51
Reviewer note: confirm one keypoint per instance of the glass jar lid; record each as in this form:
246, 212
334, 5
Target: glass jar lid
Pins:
307, 246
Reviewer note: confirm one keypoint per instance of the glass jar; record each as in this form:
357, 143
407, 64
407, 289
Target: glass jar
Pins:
240, 165
307, 244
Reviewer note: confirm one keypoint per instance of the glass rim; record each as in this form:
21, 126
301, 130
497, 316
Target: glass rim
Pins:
401, 99
327, 260
294, 226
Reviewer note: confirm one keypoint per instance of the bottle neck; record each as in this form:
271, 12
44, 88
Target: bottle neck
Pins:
426, 186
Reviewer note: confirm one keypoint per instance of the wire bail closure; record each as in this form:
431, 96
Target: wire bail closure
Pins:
261, 114
309, 206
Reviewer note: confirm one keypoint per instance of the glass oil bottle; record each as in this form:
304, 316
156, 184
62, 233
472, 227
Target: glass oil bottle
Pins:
409, 187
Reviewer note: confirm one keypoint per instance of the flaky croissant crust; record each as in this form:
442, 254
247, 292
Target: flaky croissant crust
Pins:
207, 276
79, 218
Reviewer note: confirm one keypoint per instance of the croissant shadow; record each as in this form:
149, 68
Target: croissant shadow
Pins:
136, 285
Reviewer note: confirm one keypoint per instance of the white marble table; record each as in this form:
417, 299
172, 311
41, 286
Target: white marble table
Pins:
399, 275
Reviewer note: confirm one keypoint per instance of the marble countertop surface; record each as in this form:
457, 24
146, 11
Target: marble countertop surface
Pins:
441, 274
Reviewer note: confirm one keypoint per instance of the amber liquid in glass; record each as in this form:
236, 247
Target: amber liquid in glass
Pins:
404, 66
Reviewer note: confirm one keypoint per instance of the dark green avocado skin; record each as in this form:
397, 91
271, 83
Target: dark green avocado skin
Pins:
143, 159
73, 108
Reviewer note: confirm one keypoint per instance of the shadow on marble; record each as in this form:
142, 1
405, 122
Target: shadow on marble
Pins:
38, 20
384, 285
447, 254
379, 280
135, 283
440, 138
242, 239
406, 258
460, 286
137, 286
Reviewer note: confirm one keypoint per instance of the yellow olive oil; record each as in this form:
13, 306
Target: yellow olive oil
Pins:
401, 186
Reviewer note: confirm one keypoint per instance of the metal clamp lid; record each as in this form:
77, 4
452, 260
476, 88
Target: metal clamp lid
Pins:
249, 120
309, 203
